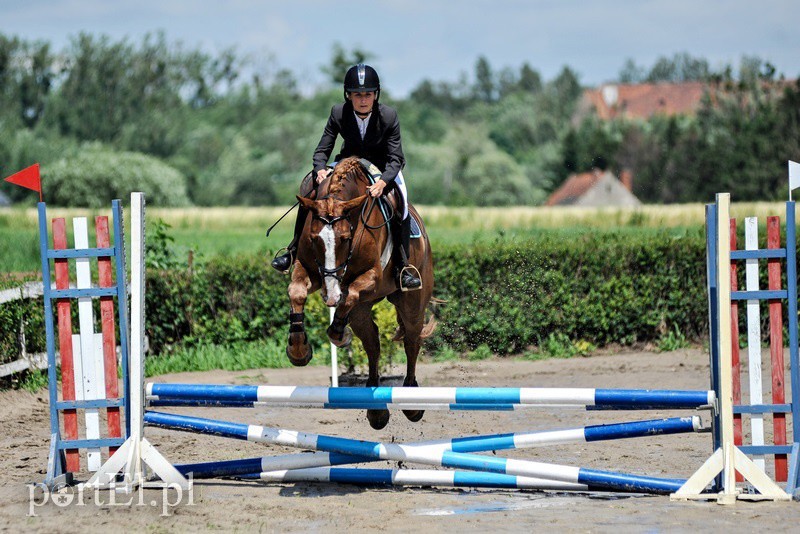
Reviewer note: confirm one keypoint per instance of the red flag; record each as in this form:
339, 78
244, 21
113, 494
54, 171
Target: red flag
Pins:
28, 178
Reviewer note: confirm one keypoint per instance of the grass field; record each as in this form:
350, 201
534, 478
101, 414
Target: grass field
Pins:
234, 230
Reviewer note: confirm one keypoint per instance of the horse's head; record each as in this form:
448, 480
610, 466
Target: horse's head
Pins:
333, 224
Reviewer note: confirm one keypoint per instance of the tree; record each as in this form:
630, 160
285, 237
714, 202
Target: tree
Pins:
36, 82
446, 97
679, 68
753, 70
565, 90
422, 122
495, 179
342, 60
484, 88
631, 72
516, 128
27, 75
507, 83
249, 140
111, 84
530, 80
96, 174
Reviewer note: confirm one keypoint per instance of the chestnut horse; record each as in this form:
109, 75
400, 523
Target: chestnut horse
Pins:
340, 252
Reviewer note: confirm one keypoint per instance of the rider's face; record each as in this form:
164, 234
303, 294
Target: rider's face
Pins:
362, 102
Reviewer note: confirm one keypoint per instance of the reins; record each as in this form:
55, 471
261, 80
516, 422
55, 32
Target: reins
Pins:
365, 218
366, 212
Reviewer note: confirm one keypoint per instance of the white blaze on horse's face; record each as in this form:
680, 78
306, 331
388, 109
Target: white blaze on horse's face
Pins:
333, 292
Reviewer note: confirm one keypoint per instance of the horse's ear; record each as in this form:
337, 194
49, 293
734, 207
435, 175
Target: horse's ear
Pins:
350, 204
307, 203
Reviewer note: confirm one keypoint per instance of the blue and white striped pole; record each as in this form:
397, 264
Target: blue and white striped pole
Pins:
202, 403
465, 444
397, 452
380, 397
415, 477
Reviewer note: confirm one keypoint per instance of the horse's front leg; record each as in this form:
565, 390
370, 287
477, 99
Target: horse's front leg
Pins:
298, 349
338, 334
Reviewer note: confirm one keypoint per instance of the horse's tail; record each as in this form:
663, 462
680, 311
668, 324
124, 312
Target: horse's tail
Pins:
429, 327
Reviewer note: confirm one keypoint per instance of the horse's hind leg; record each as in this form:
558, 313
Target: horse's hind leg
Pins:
367, 331
410, 317
411, 344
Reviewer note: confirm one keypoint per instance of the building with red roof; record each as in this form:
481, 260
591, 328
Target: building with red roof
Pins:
595, 188
642, 101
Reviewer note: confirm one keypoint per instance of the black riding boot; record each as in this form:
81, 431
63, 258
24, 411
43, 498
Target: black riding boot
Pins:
283, 262
407, 275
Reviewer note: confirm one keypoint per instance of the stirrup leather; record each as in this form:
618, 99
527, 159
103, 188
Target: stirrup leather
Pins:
413, 270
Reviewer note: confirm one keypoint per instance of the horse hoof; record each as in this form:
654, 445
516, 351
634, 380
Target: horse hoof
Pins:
346, 336
303, 360
414, 416
410, 383
378, 419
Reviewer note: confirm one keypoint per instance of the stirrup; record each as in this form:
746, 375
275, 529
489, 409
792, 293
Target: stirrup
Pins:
291, 258
413, 270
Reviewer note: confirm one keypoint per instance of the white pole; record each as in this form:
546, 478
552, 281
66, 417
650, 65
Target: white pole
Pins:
132, 458
754, 338
136, 368
334, 358
728, 459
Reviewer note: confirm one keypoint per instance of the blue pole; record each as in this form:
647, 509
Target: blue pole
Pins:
122, 306
600, 479
791, 287
359, 398
52, 376
485, 443
713, 320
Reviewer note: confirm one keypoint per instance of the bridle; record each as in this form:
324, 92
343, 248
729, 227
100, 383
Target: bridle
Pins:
335, 272
339, 271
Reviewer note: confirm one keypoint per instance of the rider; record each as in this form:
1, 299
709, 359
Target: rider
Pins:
371, 131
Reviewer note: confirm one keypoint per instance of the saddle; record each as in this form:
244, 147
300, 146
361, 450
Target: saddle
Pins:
392, 198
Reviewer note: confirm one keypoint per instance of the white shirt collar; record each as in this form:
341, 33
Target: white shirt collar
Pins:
362, 123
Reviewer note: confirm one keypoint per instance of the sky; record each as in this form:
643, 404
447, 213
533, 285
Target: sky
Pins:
413, 40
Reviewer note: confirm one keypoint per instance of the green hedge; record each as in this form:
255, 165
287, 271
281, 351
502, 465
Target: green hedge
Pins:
599, 287
23, 313
593, 288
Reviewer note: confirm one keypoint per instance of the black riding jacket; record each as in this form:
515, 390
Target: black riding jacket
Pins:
381, 144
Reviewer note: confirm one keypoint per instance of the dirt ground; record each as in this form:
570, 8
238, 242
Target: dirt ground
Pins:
254, 507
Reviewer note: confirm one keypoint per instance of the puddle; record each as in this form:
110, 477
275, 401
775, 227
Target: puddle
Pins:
550, 500
499, 506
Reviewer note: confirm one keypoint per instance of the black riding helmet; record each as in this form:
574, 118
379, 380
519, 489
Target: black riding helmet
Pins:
360, 79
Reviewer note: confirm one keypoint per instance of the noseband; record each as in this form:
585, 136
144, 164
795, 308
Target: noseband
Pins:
335, 272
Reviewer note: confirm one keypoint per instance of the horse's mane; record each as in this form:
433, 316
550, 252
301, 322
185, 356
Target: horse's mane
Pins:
347, 169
